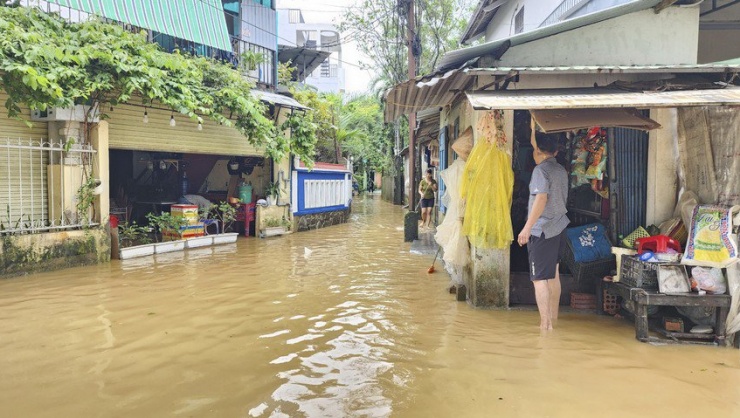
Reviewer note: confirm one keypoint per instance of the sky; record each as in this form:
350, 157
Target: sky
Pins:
331, 11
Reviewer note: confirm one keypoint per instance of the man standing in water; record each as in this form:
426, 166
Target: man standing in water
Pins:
427, 187
544, 232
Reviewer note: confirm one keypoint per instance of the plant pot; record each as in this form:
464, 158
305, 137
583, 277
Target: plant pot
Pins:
273, 231
196, 242
169, 246
136, 251
270, 200
225, 238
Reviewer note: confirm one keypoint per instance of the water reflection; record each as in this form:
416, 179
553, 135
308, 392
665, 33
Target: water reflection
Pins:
357, 328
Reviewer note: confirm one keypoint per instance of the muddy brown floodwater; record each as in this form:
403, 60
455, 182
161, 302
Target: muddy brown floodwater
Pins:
356, 329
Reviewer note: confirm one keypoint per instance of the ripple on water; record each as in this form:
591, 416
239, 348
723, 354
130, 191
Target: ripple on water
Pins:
357, 329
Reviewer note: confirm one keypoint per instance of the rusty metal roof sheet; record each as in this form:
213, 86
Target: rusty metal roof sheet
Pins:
600, 98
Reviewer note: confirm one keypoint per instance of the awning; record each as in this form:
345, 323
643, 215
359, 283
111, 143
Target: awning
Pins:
201, 21
303, 60
600, 98
436, 90
278, 100
561, 120
428, 128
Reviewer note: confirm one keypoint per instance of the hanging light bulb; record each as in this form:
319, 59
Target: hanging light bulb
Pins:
200, 124
172, 120
162, 165
146, 116
150, 165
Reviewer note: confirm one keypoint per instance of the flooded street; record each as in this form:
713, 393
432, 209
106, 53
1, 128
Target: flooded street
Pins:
356, 328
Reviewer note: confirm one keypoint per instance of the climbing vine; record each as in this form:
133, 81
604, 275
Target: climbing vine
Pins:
46, 61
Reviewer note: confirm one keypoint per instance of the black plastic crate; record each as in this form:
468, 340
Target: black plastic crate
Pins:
636, 273
594, 270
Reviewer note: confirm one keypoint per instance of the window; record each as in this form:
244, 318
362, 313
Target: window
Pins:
519, 21
294, 16
266, 3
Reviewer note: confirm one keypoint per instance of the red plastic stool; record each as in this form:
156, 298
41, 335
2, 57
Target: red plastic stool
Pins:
657, 244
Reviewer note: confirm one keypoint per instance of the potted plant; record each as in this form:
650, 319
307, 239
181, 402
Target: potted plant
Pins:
134, 240
250, 62
273, 193
226, 215
272, 226
169, 229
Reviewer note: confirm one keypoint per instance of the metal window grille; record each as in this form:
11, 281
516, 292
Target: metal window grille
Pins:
294, 16
32, 195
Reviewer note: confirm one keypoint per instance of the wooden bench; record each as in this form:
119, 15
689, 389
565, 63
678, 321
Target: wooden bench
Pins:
644, 298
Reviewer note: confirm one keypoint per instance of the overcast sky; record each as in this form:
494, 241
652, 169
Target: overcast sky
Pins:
331, 11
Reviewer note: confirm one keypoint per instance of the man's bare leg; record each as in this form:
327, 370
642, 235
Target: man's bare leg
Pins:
542, 295
554, 285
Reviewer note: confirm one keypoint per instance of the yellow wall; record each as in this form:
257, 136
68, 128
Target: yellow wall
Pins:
17, 129
128, 131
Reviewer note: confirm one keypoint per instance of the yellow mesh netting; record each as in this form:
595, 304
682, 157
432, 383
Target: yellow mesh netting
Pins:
487, 186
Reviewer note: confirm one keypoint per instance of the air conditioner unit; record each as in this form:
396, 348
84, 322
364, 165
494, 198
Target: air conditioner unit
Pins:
71, 114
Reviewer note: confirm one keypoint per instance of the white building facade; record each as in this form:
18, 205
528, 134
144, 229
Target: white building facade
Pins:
294, 31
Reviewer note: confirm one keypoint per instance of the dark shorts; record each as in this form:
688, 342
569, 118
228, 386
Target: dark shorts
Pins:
427, 203
544, 255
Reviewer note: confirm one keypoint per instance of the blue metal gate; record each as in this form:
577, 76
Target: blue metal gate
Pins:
629, 179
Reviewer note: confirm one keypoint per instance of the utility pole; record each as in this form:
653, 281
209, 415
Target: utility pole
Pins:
412, 116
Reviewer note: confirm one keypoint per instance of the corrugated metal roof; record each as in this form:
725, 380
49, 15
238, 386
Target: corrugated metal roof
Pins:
439, 89
457, 57
713, 67
278, 99
600, 98
424, 93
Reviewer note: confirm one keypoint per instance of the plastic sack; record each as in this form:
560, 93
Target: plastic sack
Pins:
449, 234
733, 282
464, 144
710, 279
710, 240
487, 187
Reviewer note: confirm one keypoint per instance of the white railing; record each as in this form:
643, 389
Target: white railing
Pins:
324, 193
41, 185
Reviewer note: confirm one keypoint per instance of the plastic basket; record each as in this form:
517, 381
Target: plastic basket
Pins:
629, 240
592, 269
636, 273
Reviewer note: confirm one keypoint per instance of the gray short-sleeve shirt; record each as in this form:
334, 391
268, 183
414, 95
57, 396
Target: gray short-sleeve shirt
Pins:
550, 178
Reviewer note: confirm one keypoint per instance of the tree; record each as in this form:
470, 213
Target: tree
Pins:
46, 61
380, 29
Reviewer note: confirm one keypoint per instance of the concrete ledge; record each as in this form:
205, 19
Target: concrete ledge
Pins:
320, 220
35, 253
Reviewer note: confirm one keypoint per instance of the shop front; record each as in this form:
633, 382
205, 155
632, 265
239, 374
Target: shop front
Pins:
160, 159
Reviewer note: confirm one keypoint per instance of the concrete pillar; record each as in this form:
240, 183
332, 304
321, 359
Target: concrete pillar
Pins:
101, 170
488, 275
662, 184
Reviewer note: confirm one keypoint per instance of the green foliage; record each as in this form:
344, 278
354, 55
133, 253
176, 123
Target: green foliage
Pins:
379, 28
46, 61
250, 60
165, 222
272, 222
302, 134
85, 198
225, 214
131, 234
273, 189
